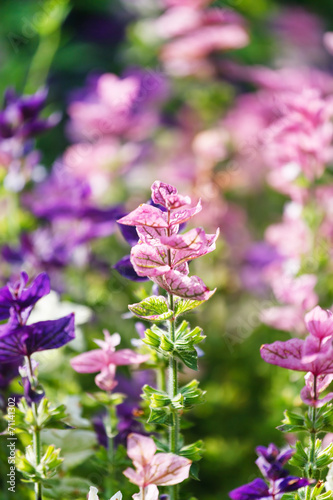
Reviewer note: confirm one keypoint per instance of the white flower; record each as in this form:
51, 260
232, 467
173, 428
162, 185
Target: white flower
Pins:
94, 496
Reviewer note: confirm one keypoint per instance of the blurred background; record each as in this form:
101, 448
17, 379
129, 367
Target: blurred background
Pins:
189, 126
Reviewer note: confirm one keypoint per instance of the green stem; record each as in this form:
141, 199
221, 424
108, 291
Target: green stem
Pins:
42, 61
173, 391
109, 430
313, 435
36, 433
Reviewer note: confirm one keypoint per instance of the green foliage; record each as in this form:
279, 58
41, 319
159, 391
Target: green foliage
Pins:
32, 472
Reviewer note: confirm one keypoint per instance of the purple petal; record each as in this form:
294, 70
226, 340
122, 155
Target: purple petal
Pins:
251, 491
292, 483
125, 268
46, 335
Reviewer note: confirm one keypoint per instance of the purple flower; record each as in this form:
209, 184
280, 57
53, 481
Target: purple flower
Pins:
21, 297
270, 463
18, 340
19, 118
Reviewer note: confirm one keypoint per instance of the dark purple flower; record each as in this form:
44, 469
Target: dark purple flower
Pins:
20, 119
23, 340
251, 491
270, 463
22, 298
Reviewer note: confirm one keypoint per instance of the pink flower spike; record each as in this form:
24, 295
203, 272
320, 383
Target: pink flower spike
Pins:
145, 215
167, 196
319, 322
160, 469
189, 246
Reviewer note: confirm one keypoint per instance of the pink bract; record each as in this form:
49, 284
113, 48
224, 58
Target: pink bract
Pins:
160, 469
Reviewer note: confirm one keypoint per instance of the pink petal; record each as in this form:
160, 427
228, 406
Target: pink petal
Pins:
110, 342
151, 235
160, 192
127, 357
141, 450
184, 214
106, 379
145, 215
308, 399
188, 287
190, 245
319, 322
149, 261
135, 477
167, 469
285, 354
89, 362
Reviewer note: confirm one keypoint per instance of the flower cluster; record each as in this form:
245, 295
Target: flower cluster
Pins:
313, 355
162, 254
270, 463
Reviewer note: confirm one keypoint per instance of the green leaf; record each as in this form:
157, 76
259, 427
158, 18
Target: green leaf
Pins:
189, 358
192, 451
152, 309
160, 416
184, 305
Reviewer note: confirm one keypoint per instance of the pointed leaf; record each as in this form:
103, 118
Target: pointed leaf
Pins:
152, 309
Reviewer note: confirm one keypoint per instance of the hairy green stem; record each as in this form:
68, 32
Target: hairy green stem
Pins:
36, 433
173, 391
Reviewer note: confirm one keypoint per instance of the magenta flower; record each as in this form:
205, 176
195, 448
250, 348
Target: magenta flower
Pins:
105, 360
163, 255
313, 355
162, 469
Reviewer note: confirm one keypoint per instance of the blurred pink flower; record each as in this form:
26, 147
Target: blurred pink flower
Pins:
105, 360
163, 469
328, 41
